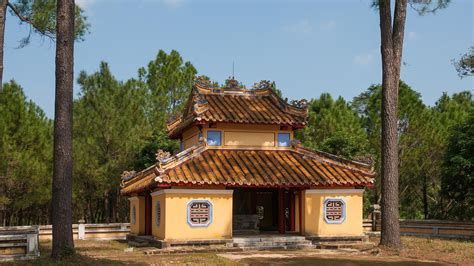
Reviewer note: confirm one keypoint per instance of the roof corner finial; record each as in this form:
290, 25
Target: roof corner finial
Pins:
233, 76
161, 155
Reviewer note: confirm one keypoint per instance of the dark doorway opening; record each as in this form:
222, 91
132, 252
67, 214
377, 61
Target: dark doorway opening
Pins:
148, 209
273, 209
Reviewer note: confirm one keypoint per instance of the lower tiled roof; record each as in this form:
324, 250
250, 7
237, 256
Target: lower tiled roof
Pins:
297, 167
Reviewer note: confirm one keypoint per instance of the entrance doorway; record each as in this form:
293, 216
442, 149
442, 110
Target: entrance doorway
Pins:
272, 210
148, 210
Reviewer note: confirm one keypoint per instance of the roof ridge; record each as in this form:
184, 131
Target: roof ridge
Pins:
180, 157
203, 98
334, 158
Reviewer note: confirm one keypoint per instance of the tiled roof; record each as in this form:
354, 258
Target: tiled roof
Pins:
235, 105
297, 167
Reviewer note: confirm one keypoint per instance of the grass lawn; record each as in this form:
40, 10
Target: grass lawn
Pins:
417, 251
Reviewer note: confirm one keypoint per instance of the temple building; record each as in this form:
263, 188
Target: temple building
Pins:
240, 171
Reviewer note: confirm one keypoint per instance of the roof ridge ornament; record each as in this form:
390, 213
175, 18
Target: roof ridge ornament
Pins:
126, 175
200, 104
263, 85
301, 104
232, 84
162, 155
202, 81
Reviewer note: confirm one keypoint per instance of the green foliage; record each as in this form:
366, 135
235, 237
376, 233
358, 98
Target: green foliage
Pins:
368, 104
334, 127
41, 16
159, 141
465, 65
25, 157
422, 133
110, 129
458, 171
169, 80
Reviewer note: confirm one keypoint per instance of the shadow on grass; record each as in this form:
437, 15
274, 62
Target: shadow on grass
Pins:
76, 259
331, 262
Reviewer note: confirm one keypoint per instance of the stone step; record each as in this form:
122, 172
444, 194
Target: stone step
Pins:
256, 239
272, 244
334, 245
287, 247
266, 240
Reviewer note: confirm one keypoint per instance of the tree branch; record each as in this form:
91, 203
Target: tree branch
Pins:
28, 21
18, 14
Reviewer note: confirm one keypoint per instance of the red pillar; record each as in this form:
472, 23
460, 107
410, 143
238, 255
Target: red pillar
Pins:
281, 211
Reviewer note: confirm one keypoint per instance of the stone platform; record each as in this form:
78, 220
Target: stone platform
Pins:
248, 243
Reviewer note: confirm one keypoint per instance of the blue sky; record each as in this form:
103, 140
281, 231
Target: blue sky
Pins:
307, 47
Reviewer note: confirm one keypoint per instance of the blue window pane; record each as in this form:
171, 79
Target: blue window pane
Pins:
214, 138
283, 139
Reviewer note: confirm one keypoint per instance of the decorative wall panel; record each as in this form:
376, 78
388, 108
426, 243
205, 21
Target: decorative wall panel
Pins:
199, 213
158, 214
334, 211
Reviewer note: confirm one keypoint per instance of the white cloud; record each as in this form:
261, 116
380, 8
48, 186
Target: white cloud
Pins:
85, 3
302, 26
328, 25
364, 59
173, 3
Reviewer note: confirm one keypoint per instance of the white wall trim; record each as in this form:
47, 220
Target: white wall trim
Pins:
192, 191
334, 191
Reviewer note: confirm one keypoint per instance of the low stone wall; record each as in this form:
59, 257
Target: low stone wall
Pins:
81, 231
428, 228
19, 242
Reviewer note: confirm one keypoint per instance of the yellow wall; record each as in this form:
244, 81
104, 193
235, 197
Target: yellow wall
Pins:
158, 231
239, 138
238, 135
314, 223
190, 137
191, 141
137, 228
175, 221
248, 135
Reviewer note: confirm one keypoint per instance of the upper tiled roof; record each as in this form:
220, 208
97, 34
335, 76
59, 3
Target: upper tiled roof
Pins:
300, 167
234, 105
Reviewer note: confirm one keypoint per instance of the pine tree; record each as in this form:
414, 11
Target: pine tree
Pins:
25, 151
61, 204
458, 171
111, 127
169, 80
334, 127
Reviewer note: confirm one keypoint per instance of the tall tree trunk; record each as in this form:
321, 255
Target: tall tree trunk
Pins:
3, 16
391, 50
63, 243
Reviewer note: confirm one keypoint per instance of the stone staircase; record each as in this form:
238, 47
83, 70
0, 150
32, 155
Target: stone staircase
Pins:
271, 242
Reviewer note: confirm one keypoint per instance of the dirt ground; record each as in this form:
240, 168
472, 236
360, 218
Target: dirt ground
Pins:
417, 251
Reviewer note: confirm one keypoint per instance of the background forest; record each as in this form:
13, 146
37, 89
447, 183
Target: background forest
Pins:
119, 125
